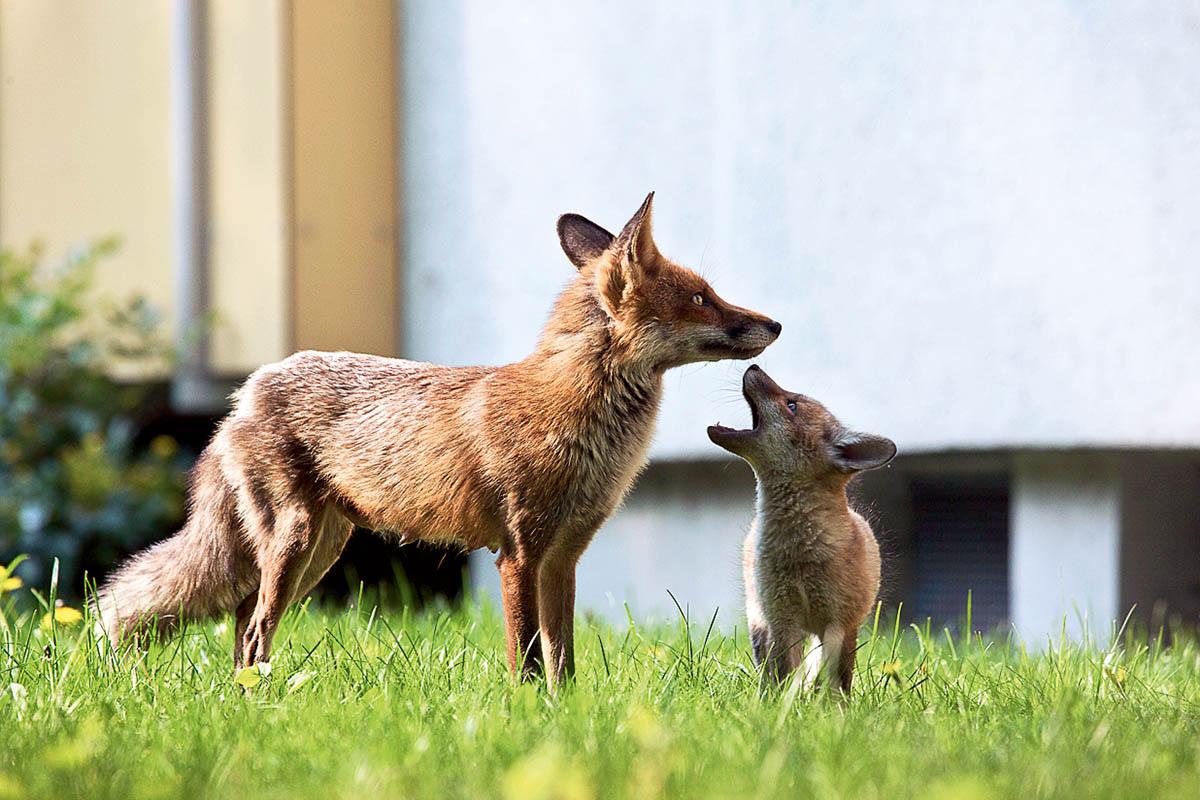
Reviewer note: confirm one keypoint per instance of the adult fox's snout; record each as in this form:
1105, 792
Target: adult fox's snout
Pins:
747, 333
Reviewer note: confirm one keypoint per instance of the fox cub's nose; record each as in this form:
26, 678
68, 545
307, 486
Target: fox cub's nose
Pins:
774, 327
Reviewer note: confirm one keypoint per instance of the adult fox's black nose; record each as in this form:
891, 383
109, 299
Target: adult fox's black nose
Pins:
774, 327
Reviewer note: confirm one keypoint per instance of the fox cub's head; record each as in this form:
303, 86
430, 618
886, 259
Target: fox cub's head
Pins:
791, 435
661, 311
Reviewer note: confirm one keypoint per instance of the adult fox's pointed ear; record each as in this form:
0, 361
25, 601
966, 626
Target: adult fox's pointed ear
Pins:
854, 452
582, 240
636, 241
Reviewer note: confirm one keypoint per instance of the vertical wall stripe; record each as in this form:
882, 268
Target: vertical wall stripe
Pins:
343, 135
190, 387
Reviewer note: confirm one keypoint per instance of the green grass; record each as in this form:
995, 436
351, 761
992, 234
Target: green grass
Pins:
363, 705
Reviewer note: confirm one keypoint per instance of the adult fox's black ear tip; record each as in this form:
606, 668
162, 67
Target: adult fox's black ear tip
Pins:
643, 210
564, 221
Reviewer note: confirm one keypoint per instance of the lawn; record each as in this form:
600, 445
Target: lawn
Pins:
361, 704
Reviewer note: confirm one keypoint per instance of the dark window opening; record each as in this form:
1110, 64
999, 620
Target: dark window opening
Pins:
961, 547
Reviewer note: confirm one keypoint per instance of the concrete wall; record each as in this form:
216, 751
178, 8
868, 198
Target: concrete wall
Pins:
85, 142
681, 531
978, 225
1065, 545
1092, 535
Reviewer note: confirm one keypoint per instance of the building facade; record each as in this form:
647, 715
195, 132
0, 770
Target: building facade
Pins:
979, 228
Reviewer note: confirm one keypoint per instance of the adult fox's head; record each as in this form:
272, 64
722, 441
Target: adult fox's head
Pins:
660, 311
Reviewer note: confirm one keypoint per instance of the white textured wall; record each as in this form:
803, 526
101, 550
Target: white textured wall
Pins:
979, 224
680, 533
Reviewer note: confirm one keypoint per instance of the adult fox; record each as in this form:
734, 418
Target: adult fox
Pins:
528, 458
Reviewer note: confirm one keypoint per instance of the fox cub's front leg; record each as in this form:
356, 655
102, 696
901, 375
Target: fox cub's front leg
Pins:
760, 642
776, 653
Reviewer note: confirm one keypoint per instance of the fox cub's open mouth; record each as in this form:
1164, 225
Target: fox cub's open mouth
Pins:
721, 434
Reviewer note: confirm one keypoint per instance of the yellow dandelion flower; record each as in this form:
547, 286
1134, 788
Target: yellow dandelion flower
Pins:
10, 584
63, 615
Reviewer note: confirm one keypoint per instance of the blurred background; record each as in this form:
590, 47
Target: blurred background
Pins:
979, 224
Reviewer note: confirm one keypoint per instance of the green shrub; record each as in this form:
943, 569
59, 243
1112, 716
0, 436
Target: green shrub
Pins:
72, 484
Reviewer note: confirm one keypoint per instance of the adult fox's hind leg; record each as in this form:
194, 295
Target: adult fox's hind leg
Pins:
332, 535
328, 541
242, 616
283, 562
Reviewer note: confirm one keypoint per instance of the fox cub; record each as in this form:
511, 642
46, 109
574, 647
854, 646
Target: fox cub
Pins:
810, 563
528, 459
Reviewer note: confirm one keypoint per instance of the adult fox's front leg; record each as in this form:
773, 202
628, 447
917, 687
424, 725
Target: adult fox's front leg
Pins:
556, 616
518, 591
556, 600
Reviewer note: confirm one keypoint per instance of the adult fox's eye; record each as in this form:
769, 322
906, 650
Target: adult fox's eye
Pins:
791, 404
698, 299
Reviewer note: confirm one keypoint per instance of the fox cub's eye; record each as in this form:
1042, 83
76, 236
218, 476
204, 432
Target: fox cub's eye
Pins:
698, 299
791, 404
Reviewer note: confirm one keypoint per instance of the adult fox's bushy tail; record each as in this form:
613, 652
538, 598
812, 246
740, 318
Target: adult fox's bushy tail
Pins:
191, 575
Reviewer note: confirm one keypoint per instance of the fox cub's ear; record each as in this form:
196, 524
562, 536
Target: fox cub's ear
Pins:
854, 452
582, 240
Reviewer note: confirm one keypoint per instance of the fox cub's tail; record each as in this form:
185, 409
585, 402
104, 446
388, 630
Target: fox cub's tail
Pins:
197, 573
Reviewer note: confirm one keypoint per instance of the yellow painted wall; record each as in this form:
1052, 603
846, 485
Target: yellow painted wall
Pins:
344, 177
301, 161
249, 274
84, 144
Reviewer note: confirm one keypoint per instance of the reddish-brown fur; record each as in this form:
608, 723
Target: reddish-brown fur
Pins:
810, 563
528, 459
